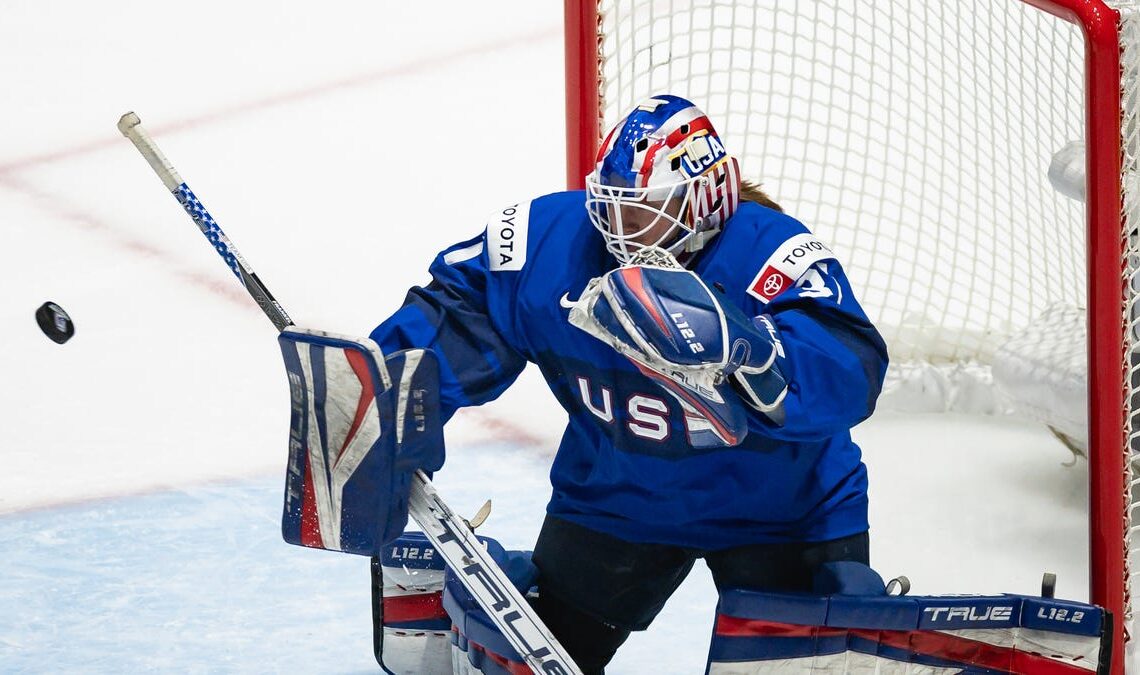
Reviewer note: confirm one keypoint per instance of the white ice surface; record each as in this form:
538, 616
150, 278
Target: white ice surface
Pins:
340, 146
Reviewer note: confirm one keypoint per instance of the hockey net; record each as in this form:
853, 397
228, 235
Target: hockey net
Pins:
918, 139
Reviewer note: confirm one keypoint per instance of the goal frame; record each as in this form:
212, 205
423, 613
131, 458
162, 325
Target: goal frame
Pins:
1106, 271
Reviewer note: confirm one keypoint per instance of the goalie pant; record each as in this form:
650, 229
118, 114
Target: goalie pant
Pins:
625, 466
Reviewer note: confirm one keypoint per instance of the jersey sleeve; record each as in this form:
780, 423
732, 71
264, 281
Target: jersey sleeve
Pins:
832, 356
458, 315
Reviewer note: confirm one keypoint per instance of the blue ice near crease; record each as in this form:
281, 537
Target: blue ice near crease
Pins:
200, 581
195, 581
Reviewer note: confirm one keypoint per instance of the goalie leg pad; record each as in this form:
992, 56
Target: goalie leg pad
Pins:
356, 434
764, 632
425, 622
411, 632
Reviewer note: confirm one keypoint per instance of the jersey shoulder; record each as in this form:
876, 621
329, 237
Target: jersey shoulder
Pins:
523, 231
754, 228
772, 248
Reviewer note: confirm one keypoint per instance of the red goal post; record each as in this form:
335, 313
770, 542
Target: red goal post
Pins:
1009, 86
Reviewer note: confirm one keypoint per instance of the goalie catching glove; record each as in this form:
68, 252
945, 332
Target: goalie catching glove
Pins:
707, 355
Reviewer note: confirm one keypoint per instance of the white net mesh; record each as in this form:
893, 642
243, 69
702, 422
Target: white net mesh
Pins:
889, 130
916, 138
1130, 220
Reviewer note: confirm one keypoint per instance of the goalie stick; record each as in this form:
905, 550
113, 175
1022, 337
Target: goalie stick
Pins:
131, 127
447, 531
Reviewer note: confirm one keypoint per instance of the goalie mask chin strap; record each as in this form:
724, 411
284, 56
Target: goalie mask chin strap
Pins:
697, 240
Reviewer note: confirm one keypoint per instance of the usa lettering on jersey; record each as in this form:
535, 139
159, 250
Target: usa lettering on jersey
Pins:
506, 238
785, 267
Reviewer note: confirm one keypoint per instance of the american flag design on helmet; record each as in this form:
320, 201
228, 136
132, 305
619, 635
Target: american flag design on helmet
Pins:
717, 200
664, 157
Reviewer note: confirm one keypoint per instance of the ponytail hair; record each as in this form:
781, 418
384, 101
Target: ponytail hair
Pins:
751, 192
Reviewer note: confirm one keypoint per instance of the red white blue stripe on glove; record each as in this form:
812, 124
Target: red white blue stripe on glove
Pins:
677, 332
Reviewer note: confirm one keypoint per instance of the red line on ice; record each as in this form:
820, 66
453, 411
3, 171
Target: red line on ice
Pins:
219, 284
285, 98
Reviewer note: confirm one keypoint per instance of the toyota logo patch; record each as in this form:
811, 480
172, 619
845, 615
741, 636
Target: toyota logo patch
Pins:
773, 284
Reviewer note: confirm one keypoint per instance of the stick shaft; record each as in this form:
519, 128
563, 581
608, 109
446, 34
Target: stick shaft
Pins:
481, 576
131, 127
447, 531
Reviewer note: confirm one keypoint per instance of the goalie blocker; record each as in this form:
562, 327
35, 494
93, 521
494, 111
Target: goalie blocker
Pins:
360, 426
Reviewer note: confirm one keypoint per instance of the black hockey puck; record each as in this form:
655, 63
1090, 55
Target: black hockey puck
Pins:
54, 322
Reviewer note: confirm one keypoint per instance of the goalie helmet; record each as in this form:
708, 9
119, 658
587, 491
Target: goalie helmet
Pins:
662, 179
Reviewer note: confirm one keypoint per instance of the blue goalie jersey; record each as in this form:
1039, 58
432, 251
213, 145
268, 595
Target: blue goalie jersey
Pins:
625, 466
